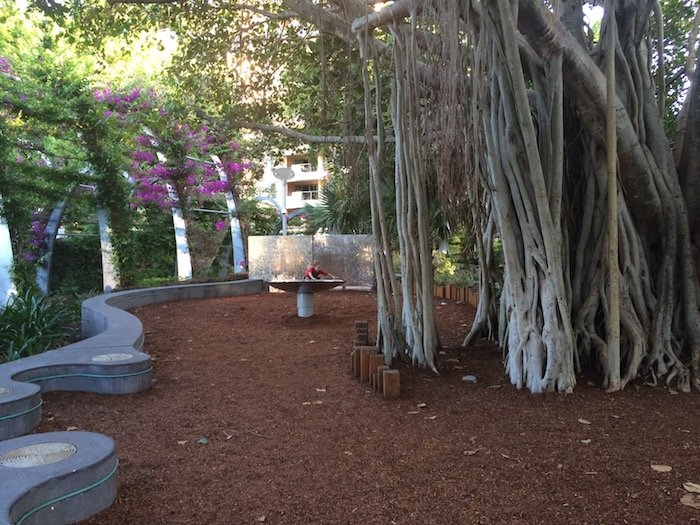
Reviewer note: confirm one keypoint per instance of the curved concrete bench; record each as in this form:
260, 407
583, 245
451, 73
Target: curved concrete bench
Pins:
64, 477
56, 477
109, 361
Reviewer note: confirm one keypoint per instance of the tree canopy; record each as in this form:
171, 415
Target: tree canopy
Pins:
552, 138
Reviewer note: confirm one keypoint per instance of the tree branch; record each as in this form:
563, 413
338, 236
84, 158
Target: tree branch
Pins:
587, 84
305, 137
241, 7
395, 11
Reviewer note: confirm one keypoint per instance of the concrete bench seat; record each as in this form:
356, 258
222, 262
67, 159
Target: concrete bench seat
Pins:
56, 477
78, 478
108, 361
119, 370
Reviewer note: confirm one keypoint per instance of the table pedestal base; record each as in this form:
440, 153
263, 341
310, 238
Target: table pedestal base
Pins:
305, 302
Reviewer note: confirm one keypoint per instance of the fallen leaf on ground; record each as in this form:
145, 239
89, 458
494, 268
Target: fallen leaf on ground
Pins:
182, 442
584, 421
306, 403
662, 468
318, 402
421, 405
471, 452
261, 519
614, 416
691, 500
70, 429
692, 487
431, 417
586, 441
320, 390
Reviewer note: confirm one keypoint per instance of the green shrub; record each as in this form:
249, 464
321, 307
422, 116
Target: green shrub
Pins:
77, 264
445, 268
32, 324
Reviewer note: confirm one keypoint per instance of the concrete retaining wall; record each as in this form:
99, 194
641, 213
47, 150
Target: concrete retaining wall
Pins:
348, 257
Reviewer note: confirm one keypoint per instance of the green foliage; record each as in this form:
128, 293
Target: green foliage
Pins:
258, 218
77, 264
32, 324
445, 268
151, 247
41, 156
678, 17
343, 208
449, 271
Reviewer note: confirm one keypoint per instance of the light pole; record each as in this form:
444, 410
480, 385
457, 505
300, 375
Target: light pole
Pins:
283, 174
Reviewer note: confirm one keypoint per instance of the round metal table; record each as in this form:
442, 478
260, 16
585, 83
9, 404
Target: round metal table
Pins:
305, 289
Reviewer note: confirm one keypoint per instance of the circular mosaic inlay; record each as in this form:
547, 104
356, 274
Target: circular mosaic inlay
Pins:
110, 358
37, 455
5, 391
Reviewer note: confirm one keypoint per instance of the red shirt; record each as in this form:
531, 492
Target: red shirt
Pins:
314, 273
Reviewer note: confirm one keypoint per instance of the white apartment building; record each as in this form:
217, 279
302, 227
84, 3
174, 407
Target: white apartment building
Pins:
306, 178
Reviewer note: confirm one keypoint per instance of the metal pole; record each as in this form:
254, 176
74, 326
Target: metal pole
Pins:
284, 207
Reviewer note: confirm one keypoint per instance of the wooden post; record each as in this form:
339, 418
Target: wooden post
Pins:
361, 333
365, 352
380, 377
391, 386
375, 360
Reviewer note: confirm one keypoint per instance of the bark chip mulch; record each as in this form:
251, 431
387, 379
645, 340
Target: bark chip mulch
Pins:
254, 417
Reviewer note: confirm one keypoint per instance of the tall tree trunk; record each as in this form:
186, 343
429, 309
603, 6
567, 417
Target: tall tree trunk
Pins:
612, 361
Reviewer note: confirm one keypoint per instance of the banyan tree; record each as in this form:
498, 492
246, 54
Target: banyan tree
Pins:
549, 134
554, 139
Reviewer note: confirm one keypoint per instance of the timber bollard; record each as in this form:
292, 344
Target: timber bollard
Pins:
355, 355
374, 361
354, 366
379, 379
391, 384
361, 333
365, 352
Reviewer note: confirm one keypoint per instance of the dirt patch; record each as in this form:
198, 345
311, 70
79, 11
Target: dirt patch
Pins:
254, 417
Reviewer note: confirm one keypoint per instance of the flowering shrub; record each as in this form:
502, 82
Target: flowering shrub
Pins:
171, 178
164, 168
190, 181
123, 105
37, 240
5, 66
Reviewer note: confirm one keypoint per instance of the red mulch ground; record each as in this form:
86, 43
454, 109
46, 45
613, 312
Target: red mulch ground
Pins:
254, 417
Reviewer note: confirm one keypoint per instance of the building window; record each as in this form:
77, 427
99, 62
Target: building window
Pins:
307, 191
301, 163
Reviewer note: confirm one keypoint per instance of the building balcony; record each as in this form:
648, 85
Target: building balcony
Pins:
299, 199
306, 172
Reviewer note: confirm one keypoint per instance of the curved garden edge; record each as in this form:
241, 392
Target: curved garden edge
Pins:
108, 361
